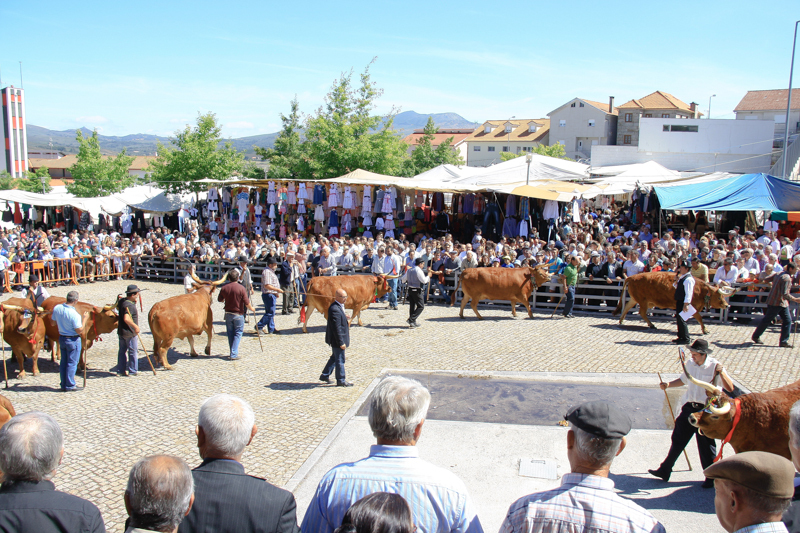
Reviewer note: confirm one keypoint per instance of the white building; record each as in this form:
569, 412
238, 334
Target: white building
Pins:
494, 137
696, 145
580, 124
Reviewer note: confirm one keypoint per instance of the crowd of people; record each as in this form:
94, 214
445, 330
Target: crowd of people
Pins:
392, 490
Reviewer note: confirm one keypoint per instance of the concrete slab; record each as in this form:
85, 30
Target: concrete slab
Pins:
487, 456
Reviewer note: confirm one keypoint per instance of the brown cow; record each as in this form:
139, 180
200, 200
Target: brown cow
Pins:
23, 330
6, 410
513, 284
182, 317
361, 291
101, 320
654, 289
763, 423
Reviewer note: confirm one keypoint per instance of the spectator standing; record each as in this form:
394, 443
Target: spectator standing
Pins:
237, 302
70, 328
416, 280
778, 305
160, 493
337, 336
270, 288
569, 279
35, 292
128, 333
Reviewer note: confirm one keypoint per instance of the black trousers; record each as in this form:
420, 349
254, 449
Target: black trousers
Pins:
771, 312
683, 328
681, 436
416, 304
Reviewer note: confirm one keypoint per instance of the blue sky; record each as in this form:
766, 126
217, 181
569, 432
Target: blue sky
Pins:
150, 67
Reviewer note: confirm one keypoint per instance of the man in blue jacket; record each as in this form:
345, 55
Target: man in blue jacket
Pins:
337, 336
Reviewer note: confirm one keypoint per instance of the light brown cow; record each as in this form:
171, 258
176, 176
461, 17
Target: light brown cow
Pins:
23, 330
6, 410
654, 289
361, 291
513, 284
182, 317
101, 320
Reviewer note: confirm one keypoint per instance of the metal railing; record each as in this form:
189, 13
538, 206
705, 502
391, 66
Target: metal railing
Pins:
792, 155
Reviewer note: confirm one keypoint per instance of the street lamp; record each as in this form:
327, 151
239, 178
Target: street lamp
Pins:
43, 184
509, 131
709, 105
528, 159
789, 102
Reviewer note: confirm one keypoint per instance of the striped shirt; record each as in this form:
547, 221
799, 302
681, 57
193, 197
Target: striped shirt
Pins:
779, 294
268, 277
438, 499
766, 527
583, 503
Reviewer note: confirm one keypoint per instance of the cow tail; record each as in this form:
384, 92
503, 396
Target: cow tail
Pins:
455, 292
618, 309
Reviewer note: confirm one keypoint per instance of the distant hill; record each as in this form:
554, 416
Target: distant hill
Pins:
39, 138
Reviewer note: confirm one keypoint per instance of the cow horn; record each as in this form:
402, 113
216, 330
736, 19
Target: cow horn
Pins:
387, 276
13, 307
716, 391
728, 291
220, 281
724, 410
194, 276
108, 307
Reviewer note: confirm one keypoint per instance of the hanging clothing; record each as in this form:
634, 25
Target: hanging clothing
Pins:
576, 211
347, 198
319, 214
242, 201
319, 194
212, 193
550, 210
272, 211
301, 206
301, 224
271, 196
333, 196
302, 193
386, 205
511, 206
367, 199
291, 195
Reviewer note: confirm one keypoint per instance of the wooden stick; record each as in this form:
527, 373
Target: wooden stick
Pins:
669, 404
84, 366
556, 307
258, 331
141, 343
5, 370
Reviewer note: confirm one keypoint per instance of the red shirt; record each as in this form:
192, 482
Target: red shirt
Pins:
235, 297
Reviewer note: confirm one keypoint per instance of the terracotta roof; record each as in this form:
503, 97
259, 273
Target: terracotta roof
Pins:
657, 100
601, 106
768, 100
520, 132
438, 138
140, 162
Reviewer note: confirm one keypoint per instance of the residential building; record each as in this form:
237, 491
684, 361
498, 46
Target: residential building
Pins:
494, 137
580, 124
45, 154
771, 105
655, 105
59, 168
458, 136
689, 144
14, 151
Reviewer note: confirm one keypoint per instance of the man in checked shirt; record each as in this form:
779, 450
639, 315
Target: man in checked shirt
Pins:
586, 500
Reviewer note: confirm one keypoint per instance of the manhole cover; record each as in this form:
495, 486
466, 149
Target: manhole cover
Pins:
541, 468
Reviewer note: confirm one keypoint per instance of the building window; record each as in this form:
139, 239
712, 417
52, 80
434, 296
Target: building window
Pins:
573, 104
562, 123
591, 123
527, 148
476, 148
676, 128
519, 148
581, 104
664, 115
628, 117
626, 139
562, 142
508, 128
648, 115
490, 149
505, 148
487, 128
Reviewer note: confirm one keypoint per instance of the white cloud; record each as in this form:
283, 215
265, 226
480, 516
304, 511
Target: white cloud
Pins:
94, 119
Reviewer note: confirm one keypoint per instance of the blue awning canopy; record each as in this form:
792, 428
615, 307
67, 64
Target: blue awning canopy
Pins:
748, 192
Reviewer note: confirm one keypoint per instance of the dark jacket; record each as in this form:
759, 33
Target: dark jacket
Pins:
28, 506
791, 518
285, 273
228, 500
337, 333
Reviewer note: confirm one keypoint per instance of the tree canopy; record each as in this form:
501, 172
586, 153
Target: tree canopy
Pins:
6, 181
95, 175
32, 181
287, 158
557, 150
425, 156
196, 155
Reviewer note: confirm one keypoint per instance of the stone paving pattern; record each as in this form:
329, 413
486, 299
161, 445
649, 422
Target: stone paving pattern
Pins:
117, 420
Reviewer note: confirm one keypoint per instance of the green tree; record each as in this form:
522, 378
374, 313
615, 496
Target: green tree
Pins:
32, 181
196, 155
6, 181
345, 135
425, 156
287, 159
95, 175
557, 150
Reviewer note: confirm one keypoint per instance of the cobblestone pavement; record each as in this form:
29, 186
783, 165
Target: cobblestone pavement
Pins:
116, 420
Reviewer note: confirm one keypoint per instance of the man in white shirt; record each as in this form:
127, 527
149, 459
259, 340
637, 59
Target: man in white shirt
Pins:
632, 266
750, 263
726, 275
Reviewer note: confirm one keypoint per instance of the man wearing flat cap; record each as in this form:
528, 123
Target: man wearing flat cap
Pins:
586, 500
417, 280
753, 489
704, 368
128, 333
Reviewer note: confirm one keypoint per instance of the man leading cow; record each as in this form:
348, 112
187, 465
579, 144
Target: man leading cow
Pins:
128, 333
71, 326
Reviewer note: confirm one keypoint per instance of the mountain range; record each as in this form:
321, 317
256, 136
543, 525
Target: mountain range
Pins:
40, 138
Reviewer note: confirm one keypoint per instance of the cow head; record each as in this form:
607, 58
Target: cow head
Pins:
382, 283
716, 420
716, 297
208, 286
105, 318
26, 324
539, 275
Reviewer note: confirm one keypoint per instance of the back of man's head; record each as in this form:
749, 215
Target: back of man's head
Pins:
396, 408
598, 452
31, 445
233, 275
159, 492
72, 297
227, 423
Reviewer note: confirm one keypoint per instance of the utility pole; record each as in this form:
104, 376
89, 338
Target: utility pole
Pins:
789, 103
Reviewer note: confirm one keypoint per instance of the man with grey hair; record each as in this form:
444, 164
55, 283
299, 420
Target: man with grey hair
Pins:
31, 448
226, 499
160, 493
397, 410
586, 500
71, 325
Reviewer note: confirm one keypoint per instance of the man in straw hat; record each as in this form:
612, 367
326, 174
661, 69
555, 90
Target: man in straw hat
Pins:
128, 333
701, 369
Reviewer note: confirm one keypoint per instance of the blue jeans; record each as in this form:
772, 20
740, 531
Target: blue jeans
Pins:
336, 362
393, 284
234, 325
270, 301
128, 355
301, 289
771, 312
70, 354
570, 300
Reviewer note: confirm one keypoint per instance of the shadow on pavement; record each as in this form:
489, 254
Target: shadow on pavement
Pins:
283, 385
30, 388
687, 494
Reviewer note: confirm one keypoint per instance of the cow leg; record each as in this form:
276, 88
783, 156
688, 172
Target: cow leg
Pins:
527, 305
35, 358
514, 307
643, 313
356, 311
628, 307
163, 349
700, 320
192, 351
209, 330
464, 302
474, 304
310, 309
20, 363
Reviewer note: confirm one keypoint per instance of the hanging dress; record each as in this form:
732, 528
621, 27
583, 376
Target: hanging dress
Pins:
271, 196
319, 214
301, 206
319, 194
301, 224
333, 196
291, 195
347, 198
367, 202
302, 193
386, 206
272, 211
